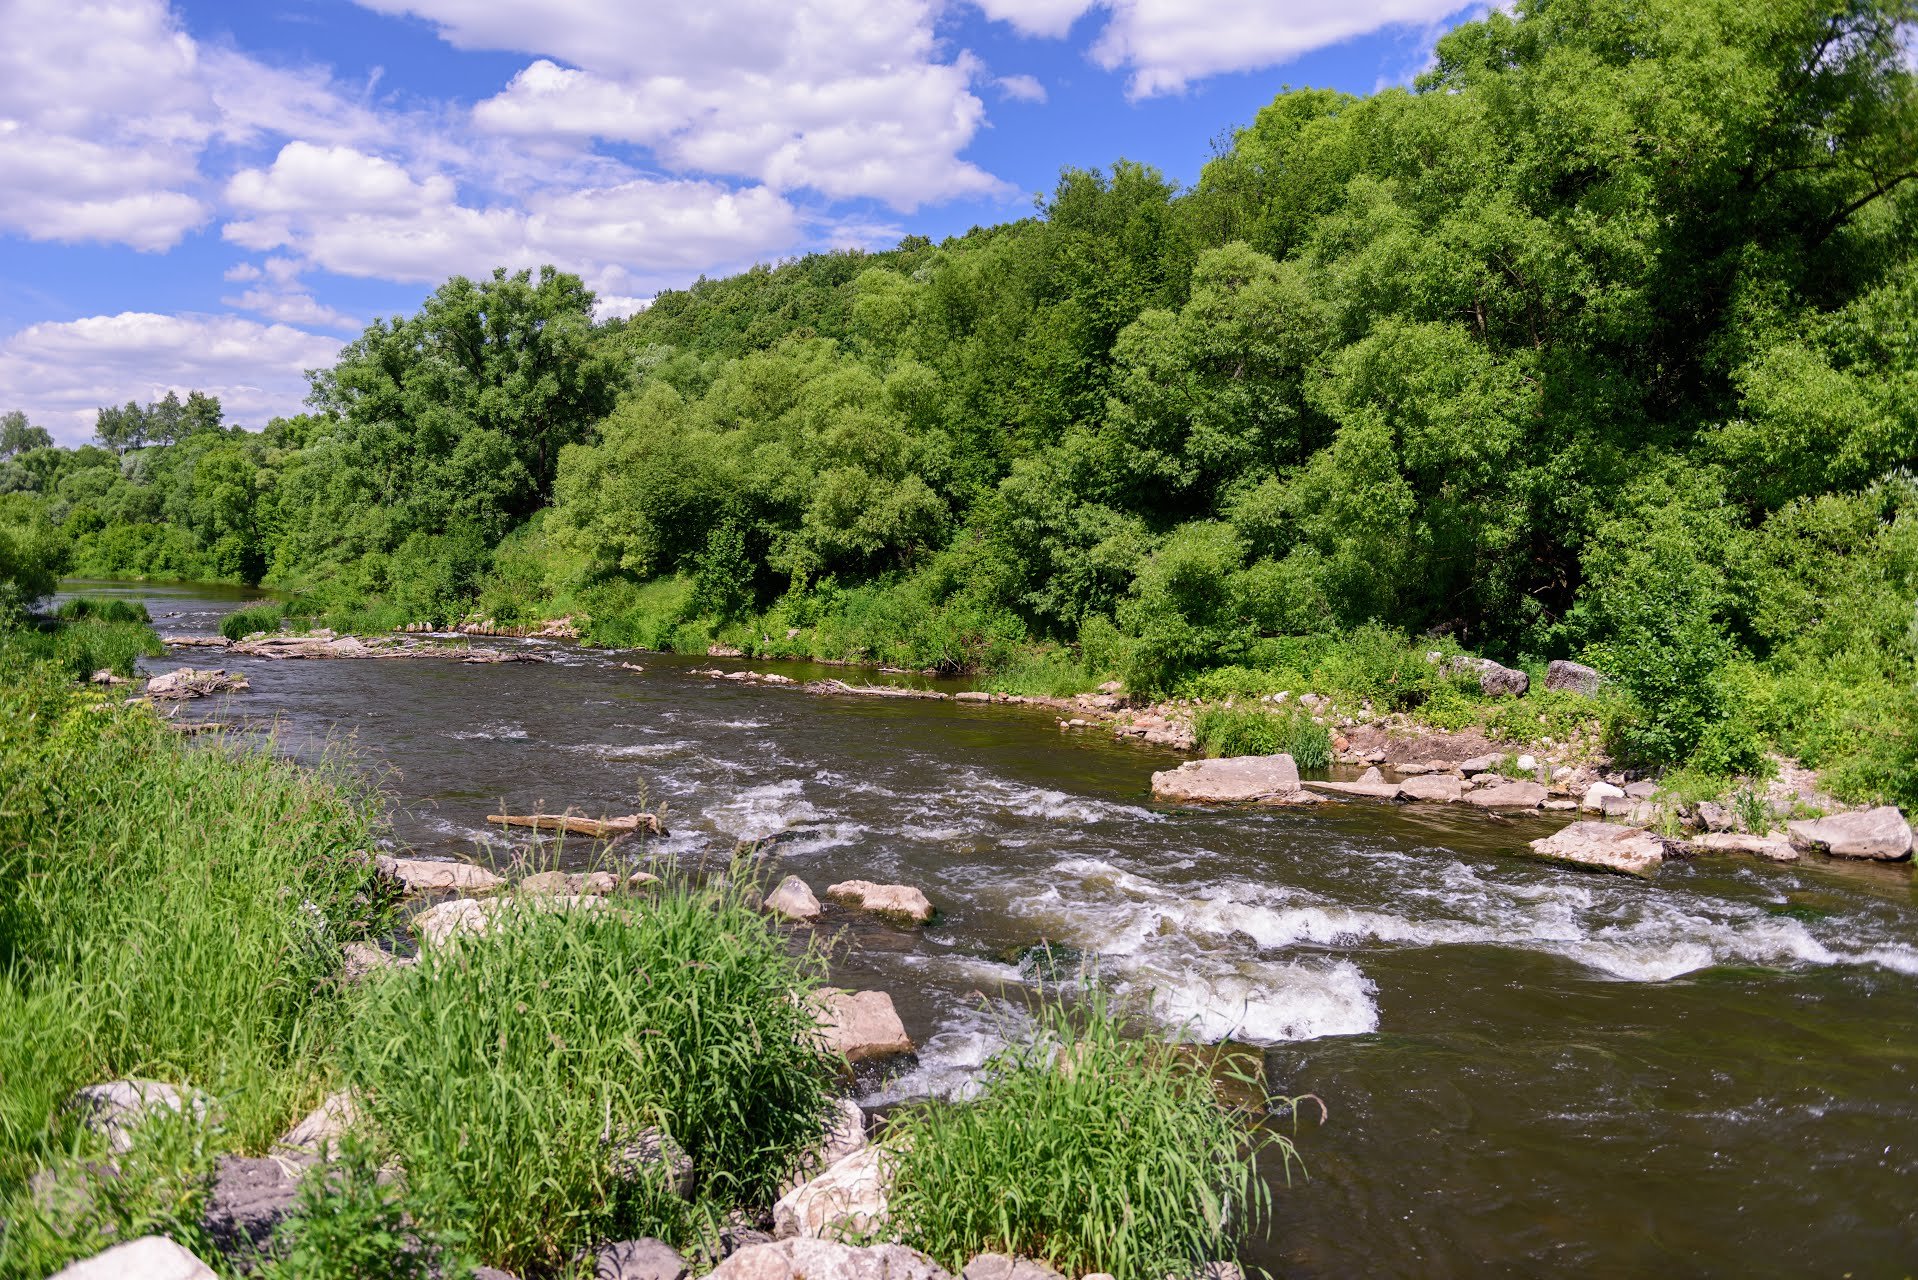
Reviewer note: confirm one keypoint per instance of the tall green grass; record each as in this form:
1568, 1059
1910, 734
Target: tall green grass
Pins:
507, 1073
167, 910
243, 622
86, 635
1249, 731
1089, 1149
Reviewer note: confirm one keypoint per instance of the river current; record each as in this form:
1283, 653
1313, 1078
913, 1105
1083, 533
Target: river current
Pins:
1528, 1070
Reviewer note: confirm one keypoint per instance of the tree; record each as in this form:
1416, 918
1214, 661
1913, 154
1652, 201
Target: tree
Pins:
122, 428
17, 435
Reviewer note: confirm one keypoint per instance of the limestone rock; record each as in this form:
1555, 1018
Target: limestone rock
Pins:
1775, 847
809, 1259
1494, 680
148, 1258
1479, 764
1572, 677
1593, 801
362, 958
895, 901
843, 1134
1643, 789
1605, 846
421, 875
1715, 817
646, 1259
1432, 788
859, 1025
794, 900
654, 1154
1234, 779
440, 924
847, 1201
118, 1107
1881, 834
1508, 795
1002, 1266
563, 883
322, 1126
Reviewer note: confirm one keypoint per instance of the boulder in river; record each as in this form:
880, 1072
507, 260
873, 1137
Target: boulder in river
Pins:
847, 1201
1605, 846
1572, 677
186, 682
805, 1258
420, 875
860, 1025
147, 1258
1432, 788
899, 902
794, 900
1508, 795
1234, 780
1774, 847
1881, 834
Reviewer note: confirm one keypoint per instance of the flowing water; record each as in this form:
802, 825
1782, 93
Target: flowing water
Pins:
1528, 1070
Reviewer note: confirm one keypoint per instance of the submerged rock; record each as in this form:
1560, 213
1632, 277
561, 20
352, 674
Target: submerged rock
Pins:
1376, 790
847, 1201
1881, 834
794, 900
895, 901
860, 1025
804, 1258
1234, 780
148, 1258
1605, 846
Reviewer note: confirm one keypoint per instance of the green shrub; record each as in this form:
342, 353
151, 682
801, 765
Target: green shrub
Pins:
81, 648
507, 1073
102, 609
243, 622
349, 1224
1088, 1149
1247, 731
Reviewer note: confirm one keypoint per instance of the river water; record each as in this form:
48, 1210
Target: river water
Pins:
1528, 1070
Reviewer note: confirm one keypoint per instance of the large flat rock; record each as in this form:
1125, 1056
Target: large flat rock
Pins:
1234, 780
860, 1025
1881, 834
1605, 846
1508, 795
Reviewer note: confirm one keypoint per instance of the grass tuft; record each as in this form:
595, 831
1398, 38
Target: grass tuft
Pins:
1247, 731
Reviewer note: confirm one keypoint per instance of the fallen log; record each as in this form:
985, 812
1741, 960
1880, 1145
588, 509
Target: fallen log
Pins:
597, 828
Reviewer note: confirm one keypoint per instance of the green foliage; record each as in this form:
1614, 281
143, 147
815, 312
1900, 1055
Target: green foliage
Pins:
350, 1224
33, 555
244, 621
1248, 731
508, 1074
102, 609
1087, 1149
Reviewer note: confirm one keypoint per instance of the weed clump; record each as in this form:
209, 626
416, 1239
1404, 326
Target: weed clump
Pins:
1245, 731
1087, 1149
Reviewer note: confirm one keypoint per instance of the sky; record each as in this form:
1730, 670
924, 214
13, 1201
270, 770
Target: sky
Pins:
218, 194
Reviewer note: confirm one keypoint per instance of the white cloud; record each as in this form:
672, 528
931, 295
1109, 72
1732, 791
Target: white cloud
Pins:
1167, 44
61, 372
359, 214
1021, 88
292, 307
1052, 18
848, 98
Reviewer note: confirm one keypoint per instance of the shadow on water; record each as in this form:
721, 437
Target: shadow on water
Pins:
1530, 1070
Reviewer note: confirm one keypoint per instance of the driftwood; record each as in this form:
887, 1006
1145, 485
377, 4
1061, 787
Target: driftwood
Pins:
874, 690
597, 828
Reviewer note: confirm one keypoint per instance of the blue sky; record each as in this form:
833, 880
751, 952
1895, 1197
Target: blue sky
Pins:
214, 194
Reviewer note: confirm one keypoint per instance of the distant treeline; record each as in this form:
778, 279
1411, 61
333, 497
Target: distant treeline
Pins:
1600, 342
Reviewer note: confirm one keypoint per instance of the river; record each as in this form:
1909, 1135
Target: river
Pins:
1529, 1070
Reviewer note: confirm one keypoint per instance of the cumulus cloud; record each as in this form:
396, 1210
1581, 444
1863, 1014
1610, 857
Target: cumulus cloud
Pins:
61, 372
848, 98
1021, 88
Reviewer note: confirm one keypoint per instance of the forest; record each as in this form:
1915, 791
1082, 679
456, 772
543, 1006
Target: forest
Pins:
1599, 342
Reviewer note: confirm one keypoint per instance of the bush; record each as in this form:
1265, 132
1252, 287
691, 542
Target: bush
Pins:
507, 1074
348, 1224
81, 648
243, 622
1246, 731
1086, 1149
102, 609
